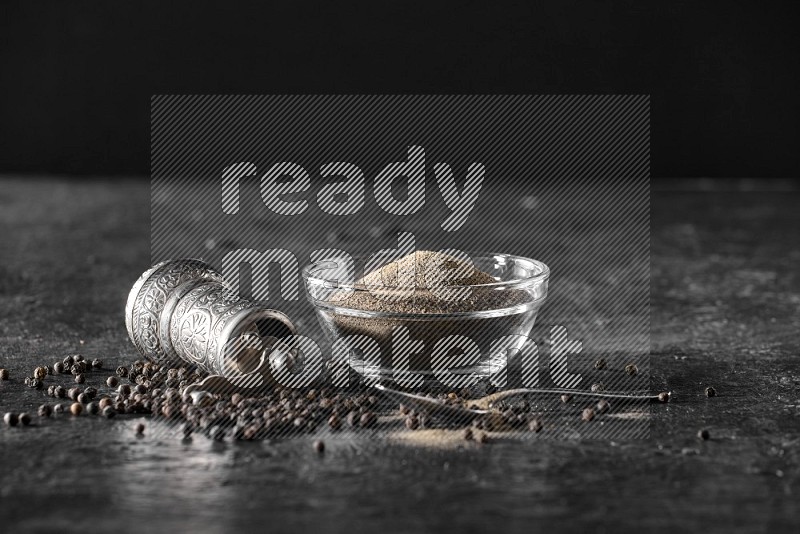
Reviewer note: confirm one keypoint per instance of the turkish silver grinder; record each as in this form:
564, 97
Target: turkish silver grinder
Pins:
183, 311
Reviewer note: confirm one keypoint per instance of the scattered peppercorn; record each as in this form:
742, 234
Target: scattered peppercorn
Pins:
368, 419
40, 373
597, 388
60, 392
664, 396
711, 392
600, 364
112, 381
33, 383
58, 367
319, 446
93, 408
535, 425
631, 369
122, 371
90, 392
58, 408
68, 361
483, 437
588, 414
25, 419
104, 402
218, 433
45, 410
11, 419
76, 408
334, 422
97, 363
412, 423
79, 378
602, 406
703, 434
468, 434
4, 374
352, 418
140, 429
109, 412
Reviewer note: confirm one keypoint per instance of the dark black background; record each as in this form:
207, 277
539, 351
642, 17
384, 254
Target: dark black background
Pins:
77, 76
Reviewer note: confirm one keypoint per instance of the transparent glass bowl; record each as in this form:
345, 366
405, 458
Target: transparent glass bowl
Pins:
400, 343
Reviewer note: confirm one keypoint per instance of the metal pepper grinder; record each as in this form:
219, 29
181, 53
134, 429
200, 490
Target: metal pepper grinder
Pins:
182, 310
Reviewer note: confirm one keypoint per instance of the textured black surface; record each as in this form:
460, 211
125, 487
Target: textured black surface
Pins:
725, 312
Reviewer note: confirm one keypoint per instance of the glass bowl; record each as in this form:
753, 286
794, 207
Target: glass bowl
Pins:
416, 338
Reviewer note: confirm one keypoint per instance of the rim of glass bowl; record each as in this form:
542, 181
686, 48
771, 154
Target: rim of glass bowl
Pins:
541, 276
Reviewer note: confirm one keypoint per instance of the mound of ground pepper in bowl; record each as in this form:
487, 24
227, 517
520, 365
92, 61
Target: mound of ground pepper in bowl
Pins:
395, 314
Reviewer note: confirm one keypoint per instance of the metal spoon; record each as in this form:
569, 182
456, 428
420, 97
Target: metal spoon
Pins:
483, 405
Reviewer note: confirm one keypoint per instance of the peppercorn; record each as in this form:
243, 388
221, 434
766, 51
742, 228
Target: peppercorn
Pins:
140, 429
58, 367
218, 433
483, 437
703, 434
122, 371
597, 388
124, 390
105, 402
58, 408
368, 419
112, 381
83, 398
40, 373
412, 423
79, 358
25, 419
45, 410
11, 419
587, 415
79, 378
140, 389
600, 364
352, 418
91, 392
711, 392
535, 425
631, 369
109, 412
664, 396
93, 408
33, 383
68, 361
76, 408
51, 390
60, 392
4, 374
566, 398
467, 434
602, 406
97, 363
319, 446
404, 410
334, 422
